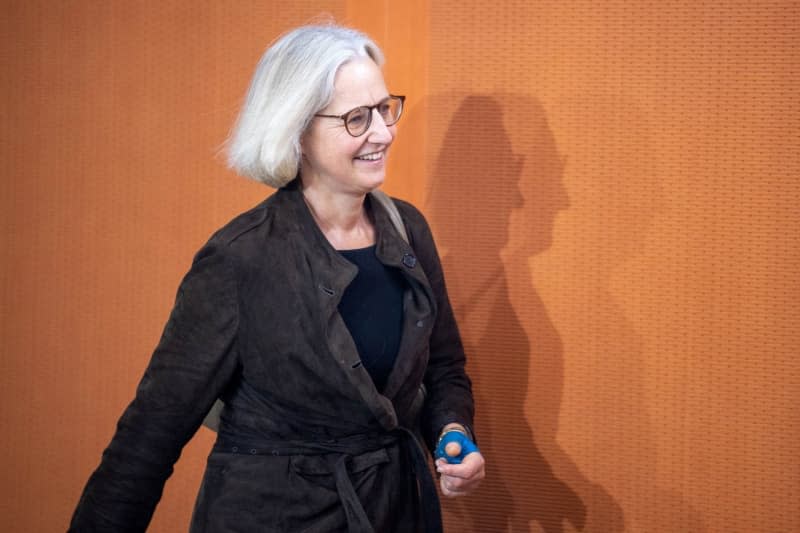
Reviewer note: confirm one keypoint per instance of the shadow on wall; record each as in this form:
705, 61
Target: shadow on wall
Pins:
475, 192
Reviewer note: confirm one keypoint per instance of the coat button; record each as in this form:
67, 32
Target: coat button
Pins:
409, 260
420, 323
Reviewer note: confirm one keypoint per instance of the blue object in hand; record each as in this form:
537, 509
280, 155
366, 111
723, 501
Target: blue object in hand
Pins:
454, 446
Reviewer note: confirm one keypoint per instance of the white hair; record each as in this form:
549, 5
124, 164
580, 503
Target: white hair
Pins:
293, 81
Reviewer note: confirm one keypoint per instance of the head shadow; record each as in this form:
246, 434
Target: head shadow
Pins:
494, 194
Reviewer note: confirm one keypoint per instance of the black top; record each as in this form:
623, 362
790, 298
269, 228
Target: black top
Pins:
372, 309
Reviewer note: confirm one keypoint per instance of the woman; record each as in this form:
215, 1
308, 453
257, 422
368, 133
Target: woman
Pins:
328, 335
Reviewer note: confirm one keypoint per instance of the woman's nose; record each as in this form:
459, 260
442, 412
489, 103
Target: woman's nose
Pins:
378, 131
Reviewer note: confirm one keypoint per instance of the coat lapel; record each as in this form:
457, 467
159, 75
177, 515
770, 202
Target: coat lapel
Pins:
419, 306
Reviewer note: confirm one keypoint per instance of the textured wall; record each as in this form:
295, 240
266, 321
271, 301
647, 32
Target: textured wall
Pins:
614, 187
617, 185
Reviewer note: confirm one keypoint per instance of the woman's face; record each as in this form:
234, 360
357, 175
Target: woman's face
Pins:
332, 158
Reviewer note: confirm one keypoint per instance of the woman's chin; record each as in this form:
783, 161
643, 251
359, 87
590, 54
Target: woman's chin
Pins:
371, 181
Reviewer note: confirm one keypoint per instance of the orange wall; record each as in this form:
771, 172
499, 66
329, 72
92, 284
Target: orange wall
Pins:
614, 187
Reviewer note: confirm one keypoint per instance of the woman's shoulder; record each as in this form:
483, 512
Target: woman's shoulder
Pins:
415, 221
410, 214
241, 224
241, 232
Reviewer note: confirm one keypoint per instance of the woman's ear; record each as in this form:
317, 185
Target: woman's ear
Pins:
302, 143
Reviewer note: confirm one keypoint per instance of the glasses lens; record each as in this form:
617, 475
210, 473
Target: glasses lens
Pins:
357, 121
391, 109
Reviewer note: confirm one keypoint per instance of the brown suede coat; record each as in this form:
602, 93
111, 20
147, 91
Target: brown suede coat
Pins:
306, 442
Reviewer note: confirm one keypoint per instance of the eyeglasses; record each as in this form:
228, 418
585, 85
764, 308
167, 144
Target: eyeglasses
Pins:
357, 121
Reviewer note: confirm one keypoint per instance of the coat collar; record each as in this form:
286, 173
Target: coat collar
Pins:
391, 248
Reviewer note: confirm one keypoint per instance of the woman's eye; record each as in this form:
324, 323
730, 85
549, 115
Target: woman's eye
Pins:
356, 118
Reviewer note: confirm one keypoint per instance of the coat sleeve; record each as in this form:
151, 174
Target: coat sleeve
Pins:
449, 388
190, 366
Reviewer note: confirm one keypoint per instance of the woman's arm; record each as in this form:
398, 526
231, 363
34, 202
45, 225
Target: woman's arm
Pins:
450, 405
448, 386
189, 368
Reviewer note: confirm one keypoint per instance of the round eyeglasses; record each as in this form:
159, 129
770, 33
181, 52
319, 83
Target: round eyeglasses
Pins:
357, 121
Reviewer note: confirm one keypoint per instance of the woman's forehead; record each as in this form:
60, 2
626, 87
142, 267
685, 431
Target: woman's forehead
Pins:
358, 82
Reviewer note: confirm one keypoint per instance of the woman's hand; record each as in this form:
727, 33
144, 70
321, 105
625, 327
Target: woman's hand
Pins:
459, 462
460, 479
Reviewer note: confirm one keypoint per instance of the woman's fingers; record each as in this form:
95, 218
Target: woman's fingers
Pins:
460, 479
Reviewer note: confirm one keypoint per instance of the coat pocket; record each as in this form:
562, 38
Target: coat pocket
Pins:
242, 494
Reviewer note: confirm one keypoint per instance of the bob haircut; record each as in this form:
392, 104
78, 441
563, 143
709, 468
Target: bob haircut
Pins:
293, 81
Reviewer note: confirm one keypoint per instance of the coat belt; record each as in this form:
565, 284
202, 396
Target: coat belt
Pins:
341, 450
